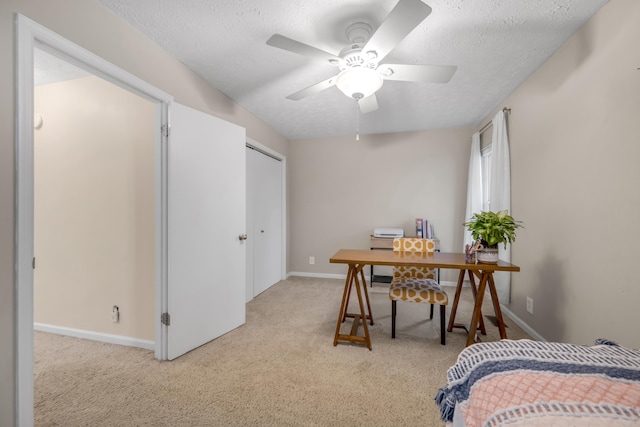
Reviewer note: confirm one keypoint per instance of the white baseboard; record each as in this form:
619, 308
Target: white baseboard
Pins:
96, 336
368, 278
518, 321
454, 284
319, 275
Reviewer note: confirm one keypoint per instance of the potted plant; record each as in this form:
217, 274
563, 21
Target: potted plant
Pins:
490, 229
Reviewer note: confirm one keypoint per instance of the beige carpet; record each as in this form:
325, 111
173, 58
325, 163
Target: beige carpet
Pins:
279, 369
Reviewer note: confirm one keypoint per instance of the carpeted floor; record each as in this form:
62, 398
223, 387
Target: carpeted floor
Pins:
279, 369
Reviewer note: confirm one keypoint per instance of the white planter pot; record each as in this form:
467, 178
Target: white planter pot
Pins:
487, 255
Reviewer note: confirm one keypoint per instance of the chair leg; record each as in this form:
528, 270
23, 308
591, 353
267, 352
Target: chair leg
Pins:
393, 318
431, 312
442, 328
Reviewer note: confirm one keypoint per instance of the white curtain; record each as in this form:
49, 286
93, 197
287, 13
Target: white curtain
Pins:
474, 186
501, 194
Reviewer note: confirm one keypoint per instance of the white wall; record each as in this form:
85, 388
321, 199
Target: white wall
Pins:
341, 189
574, 135
94, 208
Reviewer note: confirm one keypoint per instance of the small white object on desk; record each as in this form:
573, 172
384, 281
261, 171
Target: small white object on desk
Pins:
389, 233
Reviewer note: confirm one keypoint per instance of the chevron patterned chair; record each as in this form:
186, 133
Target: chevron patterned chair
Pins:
416, 284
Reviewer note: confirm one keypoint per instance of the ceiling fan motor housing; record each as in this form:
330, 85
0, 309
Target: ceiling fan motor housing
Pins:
353, 56
358, 77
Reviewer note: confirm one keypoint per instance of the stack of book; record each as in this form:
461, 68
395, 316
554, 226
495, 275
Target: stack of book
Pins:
424, 229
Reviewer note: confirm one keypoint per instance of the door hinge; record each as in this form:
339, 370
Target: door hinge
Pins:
165, 130
165, 319
33, 263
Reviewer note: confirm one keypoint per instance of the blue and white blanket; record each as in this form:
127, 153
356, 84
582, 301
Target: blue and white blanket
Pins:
517, 382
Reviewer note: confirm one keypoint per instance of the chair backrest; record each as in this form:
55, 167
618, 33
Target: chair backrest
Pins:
413, 244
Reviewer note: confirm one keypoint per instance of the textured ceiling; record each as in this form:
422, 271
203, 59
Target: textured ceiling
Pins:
49, 68
496, 45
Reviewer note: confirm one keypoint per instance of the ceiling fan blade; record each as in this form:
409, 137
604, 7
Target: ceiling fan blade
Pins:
313, 89
368, 104
417, 73
294, 46
403, 19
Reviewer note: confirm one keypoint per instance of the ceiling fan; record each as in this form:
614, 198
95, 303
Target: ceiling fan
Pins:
361, 73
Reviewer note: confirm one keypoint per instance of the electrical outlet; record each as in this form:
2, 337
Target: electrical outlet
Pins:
312, 260
530, 305
115, 314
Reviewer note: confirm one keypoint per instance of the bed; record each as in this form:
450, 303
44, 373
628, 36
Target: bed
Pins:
530, 383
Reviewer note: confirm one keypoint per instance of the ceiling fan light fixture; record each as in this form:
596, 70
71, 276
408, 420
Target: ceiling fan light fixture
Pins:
359, 82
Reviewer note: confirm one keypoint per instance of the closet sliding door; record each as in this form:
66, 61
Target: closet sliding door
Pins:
264, 222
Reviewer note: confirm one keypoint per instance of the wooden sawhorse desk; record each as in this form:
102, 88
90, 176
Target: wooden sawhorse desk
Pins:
358, 258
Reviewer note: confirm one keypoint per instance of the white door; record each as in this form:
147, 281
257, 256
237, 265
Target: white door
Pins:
264, 221
206, 215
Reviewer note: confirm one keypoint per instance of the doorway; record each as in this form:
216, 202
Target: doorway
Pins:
93, 207
31, 36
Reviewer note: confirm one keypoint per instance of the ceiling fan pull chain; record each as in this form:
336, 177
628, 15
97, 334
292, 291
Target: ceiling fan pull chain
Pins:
357, 121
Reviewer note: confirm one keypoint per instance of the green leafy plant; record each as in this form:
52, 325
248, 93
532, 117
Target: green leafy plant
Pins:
493, 228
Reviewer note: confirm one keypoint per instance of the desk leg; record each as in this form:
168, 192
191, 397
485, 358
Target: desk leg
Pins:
353, 280
496, 307
474, 291
477, 308
348, 291
343, 306
456, 299
366, 294
363, 314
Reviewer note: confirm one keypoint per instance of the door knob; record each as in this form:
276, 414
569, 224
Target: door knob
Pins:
242, 237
